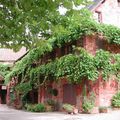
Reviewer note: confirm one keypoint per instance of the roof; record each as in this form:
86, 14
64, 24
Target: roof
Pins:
95, 4
8, 55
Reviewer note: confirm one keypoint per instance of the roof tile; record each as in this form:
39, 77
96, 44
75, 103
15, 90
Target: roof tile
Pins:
10, 55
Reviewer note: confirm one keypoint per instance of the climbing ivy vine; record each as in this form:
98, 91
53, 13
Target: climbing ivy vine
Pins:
73, 66
4, 70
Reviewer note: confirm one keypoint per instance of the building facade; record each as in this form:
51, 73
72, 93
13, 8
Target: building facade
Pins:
73, 93
8, 58
106, 11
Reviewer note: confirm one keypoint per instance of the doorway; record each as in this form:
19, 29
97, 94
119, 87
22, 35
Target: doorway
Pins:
31, 97
3, 96
69, 94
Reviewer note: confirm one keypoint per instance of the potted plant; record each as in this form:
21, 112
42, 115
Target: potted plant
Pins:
88, 104
70, 109
50, 105
104, 109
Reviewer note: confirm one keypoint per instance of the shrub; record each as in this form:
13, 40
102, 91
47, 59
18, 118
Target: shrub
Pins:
116, 100
104, 109
67, 107
87, 106
50, 105
88, 103
35, 108
51, 102
29, 107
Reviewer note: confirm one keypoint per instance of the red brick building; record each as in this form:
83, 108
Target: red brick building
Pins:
72, 93
104, 11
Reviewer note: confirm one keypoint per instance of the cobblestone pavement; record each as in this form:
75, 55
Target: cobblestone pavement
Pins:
11, 114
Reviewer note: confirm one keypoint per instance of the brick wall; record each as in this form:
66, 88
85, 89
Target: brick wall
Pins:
106, 91
89, 43
113, 48
94, 43
103, 90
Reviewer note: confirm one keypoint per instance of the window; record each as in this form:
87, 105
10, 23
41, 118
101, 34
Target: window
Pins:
118, 3
98, 16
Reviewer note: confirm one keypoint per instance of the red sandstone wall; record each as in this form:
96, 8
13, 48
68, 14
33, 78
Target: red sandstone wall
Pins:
93, 43
0, 94
103, 90
89, 43
41, 94
113, 48
106, 92
90, 86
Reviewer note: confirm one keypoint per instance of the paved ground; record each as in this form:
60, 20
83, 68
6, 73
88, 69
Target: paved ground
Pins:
11, 114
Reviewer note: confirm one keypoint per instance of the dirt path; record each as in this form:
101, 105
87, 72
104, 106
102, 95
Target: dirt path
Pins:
11, 114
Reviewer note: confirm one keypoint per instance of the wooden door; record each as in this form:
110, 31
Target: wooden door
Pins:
69, 94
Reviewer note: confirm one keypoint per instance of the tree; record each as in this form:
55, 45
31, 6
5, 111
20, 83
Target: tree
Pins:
26, 22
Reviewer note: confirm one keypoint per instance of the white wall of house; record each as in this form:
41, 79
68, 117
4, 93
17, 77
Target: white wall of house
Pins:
108, 12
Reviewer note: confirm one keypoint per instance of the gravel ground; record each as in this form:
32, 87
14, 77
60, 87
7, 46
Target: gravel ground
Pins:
11, 114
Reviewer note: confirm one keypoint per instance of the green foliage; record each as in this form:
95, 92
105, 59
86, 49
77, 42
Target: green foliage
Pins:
76, 28
82, 26
78, 67
75, 67
4, 70
111, 33
38, 16
103, 107
35, 108
116, 100
88, 103
116, 66
12, 97
51, 102
109, 64
68, 107
23, 88
103, 62
26, 62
